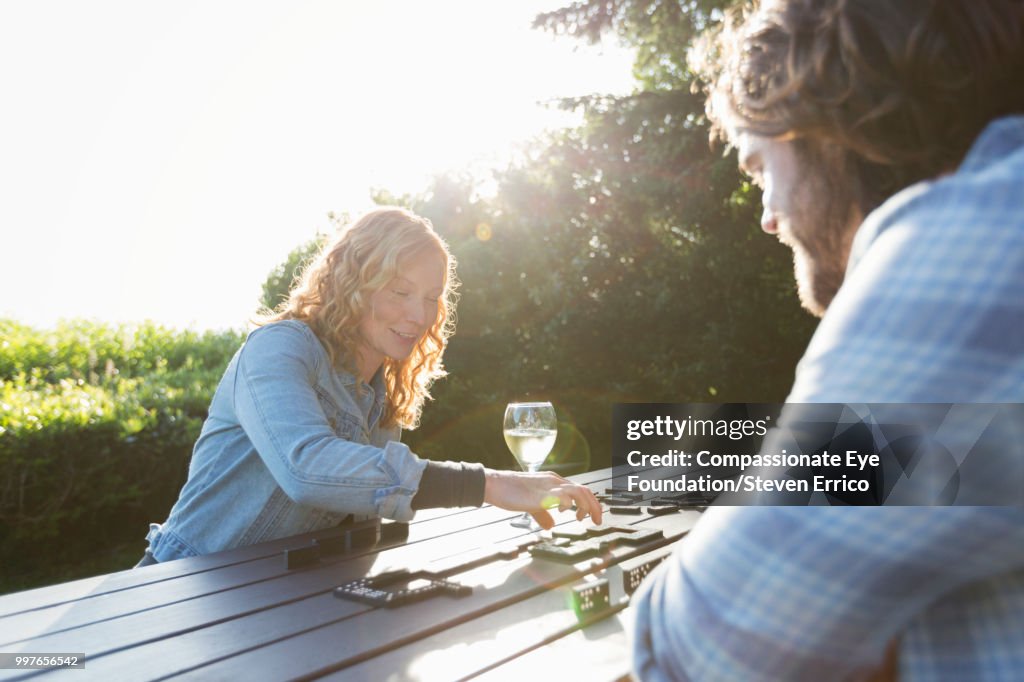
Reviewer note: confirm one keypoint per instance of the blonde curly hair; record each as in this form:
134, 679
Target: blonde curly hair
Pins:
332, 296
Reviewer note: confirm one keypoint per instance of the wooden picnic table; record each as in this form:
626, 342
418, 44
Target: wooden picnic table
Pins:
495, 602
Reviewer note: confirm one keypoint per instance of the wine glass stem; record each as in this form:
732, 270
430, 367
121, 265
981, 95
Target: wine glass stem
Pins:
527, 518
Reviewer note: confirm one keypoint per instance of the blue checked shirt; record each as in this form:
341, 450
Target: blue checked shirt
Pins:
932, 310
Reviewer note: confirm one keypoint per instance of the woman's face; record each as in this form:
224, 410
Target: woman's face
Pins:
401, 313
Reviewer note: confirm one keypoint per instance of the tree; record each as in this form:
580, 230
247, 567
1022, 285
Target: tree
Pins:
619, 261
624, 262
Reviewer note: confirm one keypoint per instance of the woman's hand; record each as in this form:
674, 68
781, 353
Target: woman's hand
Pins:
538, 492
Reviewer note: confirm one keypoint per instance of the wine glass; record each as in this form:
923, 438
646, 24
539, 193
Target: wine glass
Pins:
530, 430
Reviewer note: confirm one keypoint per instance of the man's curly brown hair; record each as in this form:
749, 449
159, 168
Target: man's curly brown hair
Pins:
903, 87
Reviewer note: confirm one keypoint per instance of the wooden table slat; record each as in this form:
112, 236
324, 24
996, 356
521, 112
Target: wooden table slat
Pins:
211, 617
427, 524
601, 653
35, 600
377, 631
187, 586
116, 625
472, 648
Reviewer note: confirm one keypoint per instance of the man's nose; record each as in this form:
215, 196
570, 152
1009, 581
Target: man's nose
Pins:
768, 222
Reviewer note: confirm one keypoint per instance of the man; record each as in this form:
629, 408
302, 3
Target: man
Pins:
888, 138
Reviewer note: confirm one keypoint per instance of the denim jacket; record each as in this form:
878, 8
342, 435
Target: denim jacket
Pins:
290, 446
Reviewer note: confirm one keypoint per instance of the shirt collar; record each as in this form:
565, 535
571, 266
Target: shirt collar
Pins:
999, 139
376, 385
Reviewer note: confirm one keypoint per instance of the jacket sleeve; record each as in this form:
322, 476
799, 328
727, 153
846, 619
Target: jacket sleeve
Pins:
278, 408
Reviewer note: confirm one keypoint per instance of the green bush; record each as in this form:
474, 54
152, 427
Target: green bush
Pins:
97, 424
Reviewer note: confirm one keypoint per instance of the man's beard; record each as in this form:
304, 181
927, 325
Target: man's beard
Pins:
819, 264
820, 235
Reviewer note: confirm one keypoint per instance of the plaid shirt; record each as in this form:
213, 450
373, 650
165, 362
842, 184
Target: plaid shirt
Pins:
932, 310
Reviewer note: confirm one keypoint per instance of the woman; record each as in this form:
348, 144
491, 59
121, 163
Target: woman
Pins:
304, 427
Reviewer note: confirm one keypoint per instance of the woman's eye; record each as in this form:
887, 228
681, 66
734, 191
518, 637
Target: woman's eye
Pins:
399, 292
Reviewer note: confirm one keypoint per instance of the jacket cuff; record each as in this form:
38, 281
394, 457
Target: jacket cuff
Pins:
405, 469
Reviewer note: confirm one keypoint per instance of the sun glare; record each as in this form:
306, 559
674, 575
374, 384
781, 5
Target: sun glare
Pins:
161, 162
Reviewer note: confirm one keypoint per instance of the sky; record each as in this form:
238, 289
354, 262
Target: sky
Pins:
157, 160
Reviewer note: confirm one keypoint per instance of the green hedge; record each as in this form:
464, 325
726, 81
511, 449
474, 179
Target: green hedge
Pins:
97, 424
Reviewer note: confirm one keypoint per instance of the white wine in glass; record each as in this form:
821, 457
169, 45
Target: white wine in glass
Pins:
530, 430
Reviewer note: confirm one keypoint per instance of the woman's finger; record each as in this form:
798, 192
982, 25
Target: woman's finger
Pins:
595, 504
544, 519
586, 502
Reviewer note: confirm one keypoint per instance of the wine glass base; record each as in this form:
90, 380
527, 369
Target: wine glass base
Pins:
526, 522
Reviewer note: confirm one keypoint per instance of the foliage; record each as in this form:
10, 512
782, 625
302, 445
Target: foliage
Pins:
659, 31
97, 423
620, 261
